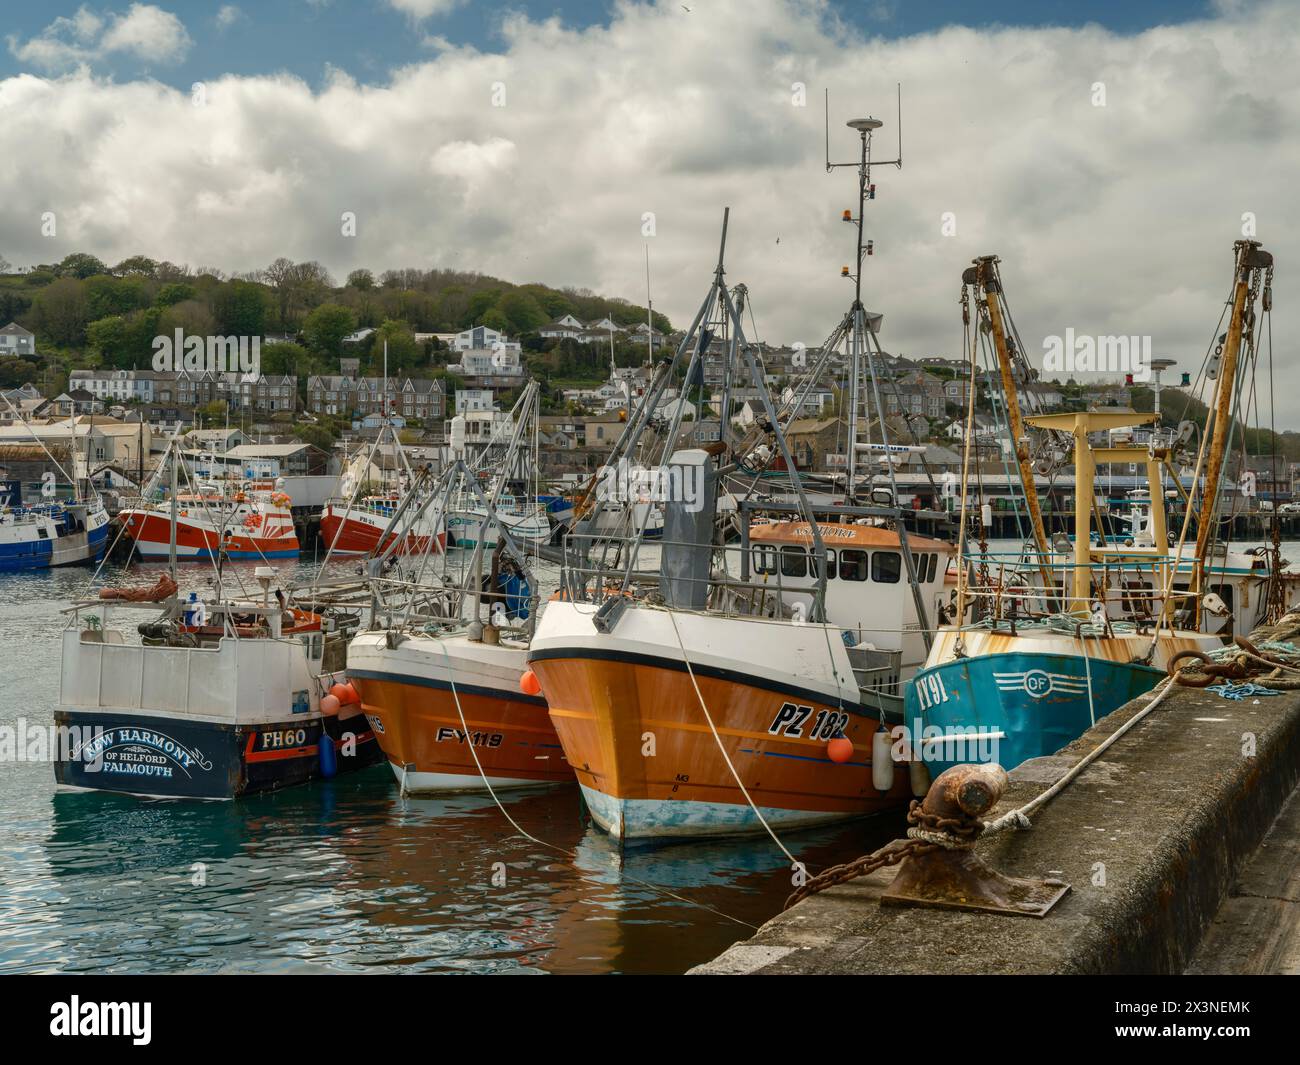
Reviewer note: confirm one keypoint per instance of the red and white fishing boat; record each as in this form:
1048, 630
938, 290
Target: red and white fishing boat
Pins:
362, 526
251, 522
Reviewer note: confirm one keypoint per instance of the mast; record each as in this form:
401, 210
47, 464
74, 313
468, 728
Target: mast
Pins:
864, 126
1248, 256
171, 541
985, 274
649, 315
1250, 259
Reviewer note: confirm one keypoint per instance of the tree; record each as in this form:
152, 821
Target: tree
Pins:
59, 312
106, 295
279, 275
137, 266
326, 326
126, 341
479, 302
284, 358
191, 317
174, 292
522, 311
316, 435
81, 265
494, 319
240, 309
362, 279
403, 351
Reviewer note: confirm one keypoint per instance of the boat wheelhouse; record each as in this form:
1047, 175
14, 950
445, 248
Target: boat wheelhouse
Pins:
867, 591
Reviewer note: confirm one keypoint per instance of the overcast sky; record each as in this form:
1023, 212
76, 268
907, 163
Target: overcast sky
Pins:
531, 144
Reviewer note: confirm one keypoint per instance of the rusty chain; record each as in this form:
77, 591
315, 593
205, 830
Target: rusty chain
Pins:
959, 833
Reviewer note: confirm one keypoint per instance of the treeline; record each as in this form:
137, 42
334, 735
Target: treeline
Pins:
95, 314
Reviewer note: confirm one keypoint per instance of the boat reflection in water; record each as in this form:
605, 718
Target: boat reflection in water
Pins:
348, 876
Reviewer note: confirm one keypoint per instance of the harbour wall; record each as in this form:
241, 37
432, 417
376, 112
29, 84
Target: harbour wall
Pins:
1150, 838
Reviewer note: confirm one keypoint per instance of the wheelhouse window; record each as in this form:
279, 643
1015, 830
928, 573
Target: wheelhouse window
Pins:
794, 561
886, 566
764, 559
814, 564
853, 565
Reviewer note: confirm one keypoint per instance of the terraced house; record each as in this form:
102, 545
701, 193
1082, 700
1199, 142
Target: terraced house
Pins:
341, 394
265, 393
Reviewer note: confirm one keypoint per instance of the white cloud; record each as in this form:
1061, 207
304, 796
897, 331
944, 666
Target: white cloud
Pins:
144, 32
1111, 220
227, 15
423, 9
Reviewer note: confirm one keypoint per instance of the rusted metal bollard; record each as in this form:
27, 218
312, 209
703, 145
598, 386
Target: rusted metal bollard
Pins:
952, 875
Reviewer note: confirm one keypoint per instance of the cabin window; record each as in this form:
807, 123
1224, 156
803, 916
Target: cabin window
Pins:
934, 565
853, 565
764, 560
830, 565
794, 562
886, 566
1224, 592
814, 564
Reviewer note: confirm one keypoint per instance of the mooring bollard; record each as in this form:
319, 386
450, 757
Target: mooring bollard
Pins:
950, 875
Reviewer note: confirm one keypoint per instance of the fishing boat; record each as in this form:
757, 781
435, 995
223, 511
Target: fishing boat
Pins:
440, 681
1045, 643
53, 532
364, 526
250, 522
44, 535
169, 697
229, 519
361, 522
695, 698
469, 525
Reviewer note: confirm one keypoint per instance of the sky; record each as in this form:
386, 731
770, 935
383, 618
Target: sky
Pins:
1110, 153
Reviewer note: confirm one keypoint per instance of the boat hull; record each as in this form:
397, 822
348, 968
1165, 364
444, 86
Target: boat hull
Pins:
649, 765
23, 549
1026, 697
465, 527
161, 756
407, 693
364, 533
152, 535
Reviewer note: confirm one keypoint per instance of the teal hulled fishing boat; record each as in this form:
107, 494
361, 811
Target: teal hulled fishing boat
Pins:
1042, 644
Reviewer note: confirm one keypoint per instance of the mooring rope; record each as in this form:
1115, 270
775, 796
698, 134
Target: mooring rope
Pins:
794, 862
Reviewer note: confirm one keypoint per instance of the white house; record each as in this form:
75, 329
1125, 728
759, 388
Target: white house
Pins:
474, 399
486, 352
16, 341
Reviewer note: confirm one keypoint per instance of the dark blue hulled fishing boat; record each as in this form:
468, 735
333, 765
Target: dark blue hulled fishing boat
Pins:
41, 535
1043, 643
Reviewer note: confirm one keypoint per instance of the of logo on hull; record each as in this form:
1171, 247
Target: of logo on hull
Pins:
1039, 684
